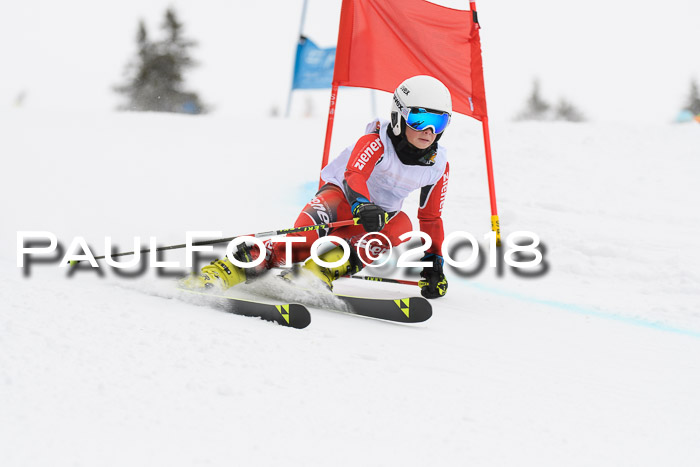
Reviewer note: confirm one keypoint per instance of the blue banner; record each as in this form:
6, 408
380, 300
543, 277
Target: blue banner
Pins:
313, 68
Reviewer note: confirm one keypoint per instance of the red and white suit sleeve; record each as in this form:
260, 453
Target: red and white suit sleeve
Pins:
365, 155
432, 199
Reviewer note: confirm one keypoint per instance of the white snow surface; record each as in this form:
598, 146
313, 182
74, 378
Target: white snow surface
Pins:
595, 362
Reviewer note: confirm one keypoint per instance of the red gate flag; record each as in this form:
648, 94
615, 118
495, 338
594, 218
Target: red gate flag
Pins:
381, 43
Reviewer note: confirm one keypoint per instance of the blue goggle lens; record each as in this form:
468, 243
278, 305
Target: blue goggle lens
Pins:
420, 119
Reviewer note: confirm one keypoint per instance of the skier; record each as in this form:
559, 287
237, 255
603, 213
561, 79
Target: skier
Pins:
369, 181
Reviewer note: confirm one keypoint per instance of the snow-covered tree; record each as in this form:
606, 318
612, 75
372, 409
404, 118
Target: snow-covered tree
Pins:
155, 79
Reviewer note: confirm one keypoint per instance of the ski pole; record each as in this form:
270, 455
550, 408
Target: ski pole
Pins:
383, 279
272, 233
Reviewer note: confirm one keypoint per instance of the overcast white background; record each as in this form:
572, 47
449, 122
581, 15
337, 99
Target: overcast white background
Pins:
616, 60
593, 363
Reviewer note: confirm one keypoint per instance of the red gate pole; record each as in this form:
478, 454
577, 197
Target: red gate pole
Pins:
495, 224
329, 130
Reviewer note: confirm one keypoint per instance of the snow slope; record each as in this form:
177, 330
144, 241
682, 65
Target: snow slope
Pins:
593, 361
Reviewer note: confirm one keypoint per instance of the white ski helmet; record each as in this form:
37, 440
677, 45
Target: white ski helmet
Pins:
423, 92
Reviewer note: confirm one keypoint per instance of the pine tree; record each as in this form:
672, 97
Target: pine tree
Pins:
693, 103
565, 110
155, 80
536, 108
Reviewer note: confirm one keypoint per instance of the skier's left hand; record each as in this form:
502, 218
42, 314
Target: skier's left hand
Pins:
433, 283
370, 216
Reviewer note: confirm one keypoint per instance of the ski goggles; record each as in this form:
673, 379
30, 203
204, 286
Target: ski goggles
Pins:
420, 118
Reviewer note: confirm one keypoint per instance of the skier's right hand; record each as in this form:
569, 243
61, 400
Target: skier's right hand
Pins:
370, 216
433, 283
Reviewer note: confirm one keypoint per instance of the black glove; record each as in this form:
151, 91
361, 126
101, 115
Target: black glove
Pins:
371, 217
433, 284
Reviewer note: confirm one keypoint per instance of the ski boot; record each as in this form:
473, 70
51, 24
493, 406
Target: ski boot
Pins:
221, 274
328, 275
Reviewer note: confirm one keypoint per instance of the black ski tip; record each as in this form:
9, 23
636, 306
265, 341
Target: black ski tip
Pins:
401, 310
299, 316
420, 310
291, 315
